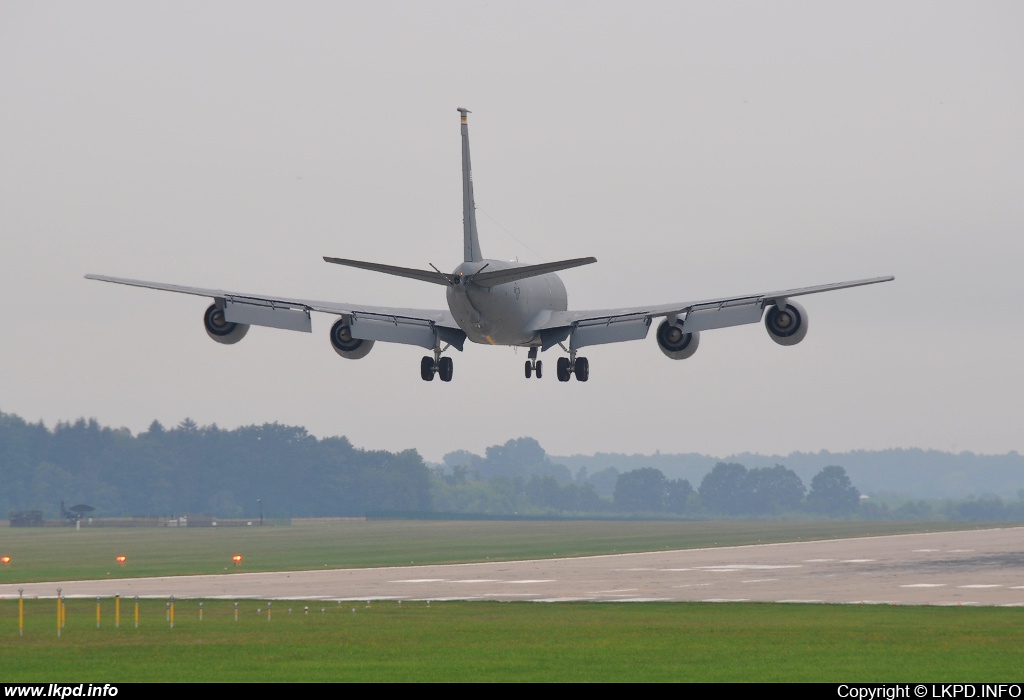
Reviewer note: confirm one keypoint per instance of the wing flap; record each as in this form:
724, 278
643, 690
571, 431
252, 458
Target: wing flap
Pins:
704, 319
406, 331
612, 330
268, 314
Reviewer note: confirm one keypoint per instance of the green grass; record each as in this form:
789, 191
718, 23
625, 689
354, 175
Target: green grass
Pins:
462, 641
49, 554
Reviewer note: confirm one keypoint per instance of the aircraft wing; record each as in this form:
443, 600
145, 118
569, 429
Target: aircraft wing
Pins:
600, 326
389, 324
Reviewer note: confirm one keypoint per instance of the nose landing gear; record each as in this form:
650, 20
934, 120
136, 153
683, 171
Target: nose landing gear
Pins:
533, 364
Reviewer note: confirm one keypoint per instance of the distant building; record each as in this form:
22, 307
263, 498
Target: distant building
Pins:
27, 518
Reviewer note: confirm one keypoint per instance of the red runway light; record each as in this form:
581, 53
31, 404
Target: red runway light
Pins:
121, 559
5, 560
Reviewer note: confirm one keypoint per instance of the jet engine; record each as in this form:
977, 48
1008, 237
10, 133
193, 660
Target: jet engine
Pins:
786, 326
220, 329
675, 343
345, 345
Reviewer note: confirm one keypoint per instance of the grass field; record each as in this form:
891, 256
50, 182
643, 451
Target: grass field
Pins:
453, 641
49, 554
460, 641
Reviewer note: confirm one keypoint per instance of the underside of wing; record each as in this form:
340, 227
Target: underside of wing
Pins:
600, 326
232, 311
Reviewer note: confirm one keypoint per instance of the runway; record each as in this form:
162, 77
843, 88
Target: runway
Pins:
976, 567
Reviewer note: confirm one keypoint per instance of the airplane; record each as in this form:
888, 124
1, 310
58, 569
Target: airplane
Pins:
495, 302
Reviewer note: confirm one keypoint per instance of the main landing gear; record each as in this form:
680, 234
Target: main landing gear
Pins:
443, 366
567, 367
572, 365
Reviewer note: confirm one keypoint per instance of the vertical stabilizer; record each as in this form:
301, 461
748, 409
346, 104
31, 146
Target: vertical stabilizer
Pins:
471, 243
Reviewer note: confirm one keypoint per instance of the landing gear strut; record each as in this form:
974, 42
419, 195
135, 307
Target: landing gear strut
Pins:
533, 364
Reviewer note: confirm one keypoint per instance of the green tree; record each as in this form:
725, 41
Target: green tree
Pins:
604, 481
832, 493
772, 490
678, 495
723, 488
641, 490
520, 458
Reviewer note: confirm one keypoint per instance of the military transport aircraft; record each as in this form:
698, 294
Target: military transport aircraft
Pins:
500, 303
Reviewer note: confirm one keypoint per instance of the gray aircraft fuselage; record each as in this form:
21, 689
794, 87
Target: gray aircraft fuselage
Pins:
503, 314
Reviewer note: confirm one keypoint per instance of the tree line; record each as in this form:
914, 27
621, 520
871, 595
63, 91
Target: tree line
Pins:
191, 469
518, 476
283, 471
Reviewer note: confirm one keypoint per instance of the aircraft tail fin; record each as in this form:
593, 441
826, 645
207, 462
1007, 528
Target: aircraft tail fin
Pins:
470, 240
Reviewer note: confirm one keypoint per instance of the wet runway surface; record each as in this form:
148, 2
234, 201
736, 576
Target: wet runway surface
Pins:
978, 567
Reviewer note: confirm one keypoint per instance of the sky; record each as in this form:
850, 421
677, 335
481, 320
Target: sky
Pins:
696, 149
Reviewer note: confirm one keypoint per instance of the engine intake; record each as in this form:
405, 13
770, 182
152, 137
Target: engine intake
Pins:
786, 326
222, 330
345, 345
675, 342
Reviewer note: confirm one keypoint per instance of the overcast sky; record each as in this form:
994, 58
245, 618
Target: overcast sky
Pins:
696, 149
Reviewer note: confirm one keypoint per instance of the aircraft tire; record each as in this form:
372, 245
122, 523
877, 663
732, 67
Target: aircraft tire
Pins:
538, 368
427, 368
446, 368
529, 369
562, 369
582, 369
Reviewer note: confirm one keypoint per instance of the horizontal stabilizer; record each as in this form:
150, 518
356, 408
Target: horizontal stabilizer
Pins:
492, 279
422, 275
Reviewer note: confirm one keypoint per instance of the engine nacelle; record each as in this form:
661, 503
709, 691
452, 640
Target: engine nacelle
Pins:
676, 343
220, 329
345, 345
787, 326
